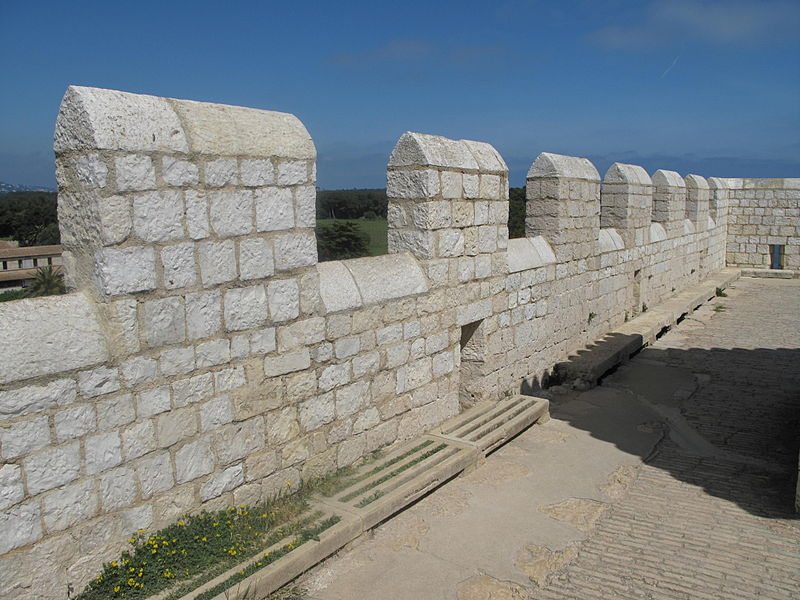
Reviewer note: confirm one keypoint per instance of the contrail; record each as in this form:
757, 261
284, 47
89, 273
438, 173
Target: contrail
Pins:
669, 68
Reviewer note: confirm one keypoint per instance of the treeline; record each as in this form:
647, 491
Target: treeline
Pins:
30, 218
352, 204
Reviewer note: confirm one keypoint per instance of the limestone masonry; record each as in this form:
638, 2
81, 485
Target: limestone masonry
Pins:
205, 358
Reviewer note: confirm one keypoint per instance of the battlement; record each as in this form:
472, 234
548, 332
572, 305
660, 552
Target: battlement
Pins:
204, 357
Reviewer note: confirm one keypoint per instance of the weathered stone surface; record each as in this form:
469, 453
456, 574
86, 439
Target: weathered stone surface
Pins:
287, 363
163, 321
179, 266
126, 270
229, 479
194, 460
274, 209
158, 216
245, 308
203, 314
70, 505
103, 451
549, 165
255, 259
23, 437
383, 278
295, 250
44, 336
337, 287
52, 467
20, 525
231, 212
284, 300
11, 491
217, 262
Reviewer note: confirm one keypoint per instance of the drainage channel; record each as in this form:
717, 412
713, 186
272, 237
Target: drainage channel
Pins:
378, 490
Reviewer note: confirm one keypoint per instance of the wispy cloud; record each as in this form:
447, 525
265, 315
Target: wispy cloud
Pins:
719, 22
669, 68
414, 52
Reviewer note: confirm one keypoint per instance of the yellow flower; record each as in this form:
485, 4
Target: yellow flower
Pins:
116, 589
181, 523
114, 564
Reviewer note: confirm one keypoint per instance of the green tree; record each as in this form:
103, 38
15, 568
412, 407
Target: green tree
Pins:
29, 217
516, 212
340, 240
47, 282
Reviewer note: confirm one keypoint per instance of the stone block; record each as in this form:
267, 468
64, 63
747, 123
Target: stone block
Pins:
295, 250
256, 172
213, 353
158, 216
284, 300
194, 460
193, 389
234, 441
23, 437
163, 321
177, 172
179, 266
117, 489
74, 422
103, 451
31, 399
215, 413
221, 172
175, 425
245, 308
19, 526
287, 363
126, 270
138, 370
11, 490
255, 259
293, 172
138, 439
115, 218
197, 224
305, 206
154, 473
274, 209
177, 361
230, 478
231, 212
99, 381
52, 467
217, 262
115, 411
203, 315
135, 172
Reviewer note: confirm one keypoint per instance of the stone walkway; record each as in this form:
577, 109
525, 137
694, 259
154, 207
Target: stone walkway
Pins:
673, 479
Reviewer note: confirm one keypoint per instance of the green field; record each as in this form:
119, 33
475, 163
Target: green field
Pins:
374, 228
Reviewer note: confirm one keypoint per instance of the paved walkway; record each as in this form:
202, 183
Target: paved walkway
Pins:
673, 479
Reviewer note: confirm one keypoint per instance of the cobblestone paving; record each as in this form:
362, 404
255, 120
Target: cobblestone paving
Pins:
672, 480
712, 526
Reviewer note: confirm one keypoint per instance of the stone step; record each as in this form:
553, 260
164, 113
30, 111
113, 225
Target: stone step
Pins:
586, 367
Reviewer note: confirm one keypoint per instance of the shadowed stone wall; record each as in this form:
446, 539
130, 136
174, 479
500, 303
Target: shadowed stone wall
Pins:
205, 358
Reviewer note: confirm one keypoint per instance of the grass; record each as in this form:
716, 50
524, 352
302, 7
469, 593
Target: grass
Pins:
12, 295
721, 293
197, 547
374, 228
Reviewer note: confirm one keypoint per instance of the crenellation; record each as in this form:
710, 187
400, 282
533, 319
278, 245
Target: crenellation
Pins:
205, 357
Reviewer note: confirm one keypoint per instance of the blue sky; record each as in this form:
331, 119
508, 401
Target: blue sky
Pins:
705, 86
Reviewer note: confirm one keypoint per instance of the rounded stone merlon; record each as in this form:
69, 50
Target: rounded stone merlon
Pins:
383, 278
623, 173
93, 118
696, 182
609, 240
422, 150
568, 167
337, 288
668, 178
718, 183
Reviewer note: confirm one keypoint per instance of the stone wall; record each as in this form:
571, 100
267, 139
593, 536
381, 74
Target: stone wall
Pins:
764, 212
205, 358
